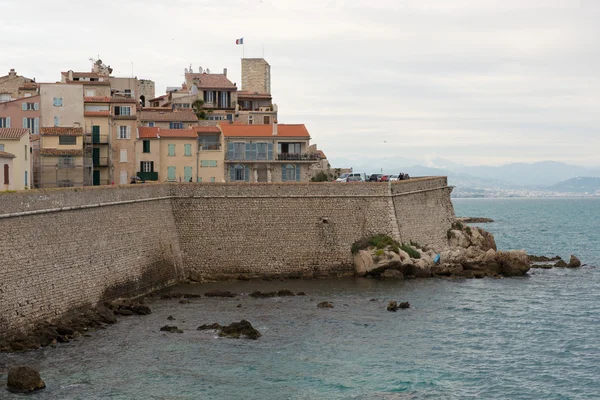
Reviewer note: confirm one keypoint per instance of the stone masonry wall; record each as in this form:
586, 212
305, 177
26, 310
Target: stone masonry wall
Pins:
256, 75
65, 248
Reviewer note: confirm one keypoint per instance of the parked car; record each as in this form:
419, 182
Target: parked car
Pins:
375, 178
385, 178
354, 179
393, 177
342, 177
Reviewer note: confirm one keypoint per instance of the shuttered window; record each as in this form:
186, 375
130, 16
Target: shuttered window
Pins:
171, 149
187, 148
187, 174
146, 145
123, 156
171, 173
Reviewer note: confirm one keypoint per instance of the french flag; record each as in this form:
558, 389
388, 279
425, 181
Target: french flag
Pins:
239, 41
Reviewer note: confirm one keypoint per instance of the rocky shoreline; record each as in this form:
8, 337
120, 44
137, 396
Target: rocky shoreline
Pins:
474, 220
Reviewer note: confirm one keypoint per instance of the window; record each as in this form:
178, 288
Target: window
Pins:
123, 177
5, 122
266, 119
4, 97
250, 119
261, 151
187, 174
209, 142
33, 124
25, 152
90, 93
187, 149
66, 162
238, 151
176, 125
127, 92
292, 148
122, 110
123, 157
124, 132
6, 174
30, 106
1, 147
67, 140
151, 124
209, 97
56, 121
57, 102
288, 173
208, 163
216, 118
171, 149
171, 174
147, 166
239, 173
212, 179
146, 145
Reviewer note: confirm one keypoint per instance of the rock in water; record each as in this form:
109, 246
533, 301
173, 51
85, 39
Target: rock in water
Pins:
391, 274
209, 327
171, 329
237, 329
325, 304
574, 262
23, 379
219, 293
513, 263
404, 305
392, 306
560, 264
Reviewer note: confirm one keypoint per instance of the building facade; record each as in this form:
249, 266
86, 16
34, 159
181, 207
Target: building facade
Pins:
15, 158
11, 86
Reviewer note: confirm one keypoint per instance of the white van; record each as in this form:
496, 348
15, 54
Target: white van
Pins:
344, 177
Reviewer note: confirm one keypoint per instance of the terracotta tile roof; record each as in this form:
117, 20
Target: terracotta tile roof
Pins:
159, 97
13, 133
248, 94
105, 113
60, 131
206, 129
168, 115
210, 81
178, 133
131, 117
61, 152
4, 154
321, 154
123, 100
96, 99
283, 130
22, 99
145, 132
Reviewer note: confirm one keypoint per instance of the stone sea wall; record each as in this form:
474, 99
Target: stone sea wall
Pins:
67, 248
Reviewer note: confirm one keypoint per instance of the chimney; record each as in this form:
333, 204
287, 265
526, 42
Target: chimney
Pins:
274, 128
225, 72
70, 75
12, 72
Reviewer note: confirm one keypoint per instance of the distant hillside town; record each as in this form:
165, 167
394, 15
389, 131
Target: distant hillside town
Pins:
92, 128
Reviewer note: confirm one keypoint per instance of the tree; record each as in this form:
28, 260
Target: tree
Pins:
199, 110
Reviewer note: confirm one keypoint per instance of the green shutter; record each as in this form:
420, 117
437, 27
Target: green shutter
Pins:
24, 106
171, 173
247, 173
95, 129
298, 171
171, 149
231, 173
24, 122
187, 174
187, 149
7, 122
36, 125
247, 151
36, 106
283, 168
254, 151
270, 151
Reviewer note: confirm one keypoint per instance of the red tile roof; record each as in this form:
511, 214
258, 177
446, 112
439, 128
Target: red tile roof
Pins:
146, 132
207, 129
210, 81
248, 94
61, 152
123, 100
13, 133
321, 154
105, 113
283, 130
4, 154
96, 99
60, 131
159, 97
168, 115
178, 133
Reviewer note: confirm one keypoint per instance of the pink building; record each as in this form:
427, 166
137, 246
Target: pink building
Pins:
21, 113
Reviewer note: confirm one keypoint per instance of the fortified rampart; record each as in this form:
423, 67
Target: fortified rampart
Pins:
66, 248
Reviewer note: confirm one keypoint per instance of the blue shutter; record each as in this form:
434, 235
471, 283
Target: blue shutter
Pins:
24, 122
270, 151
36, 106
247, 151
56, 121
24, 106
247, 173
230, 151
171, 125
254, 157
283, 173
36, 126
298, 170
7, 122
232, 173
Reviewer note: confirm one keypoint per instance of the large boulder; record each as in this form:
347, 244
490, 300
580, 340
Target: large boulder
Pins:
392, 274
574, 262
237, 329
375, 262
422, 268
22, 379
513, 263
363, 262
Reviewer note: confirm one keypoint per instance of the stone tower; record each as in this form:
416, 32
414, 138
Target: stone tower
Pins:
256, 75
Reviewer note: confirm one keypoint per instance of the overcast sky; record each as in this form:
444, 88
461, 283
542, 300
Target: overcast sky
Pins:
477, 82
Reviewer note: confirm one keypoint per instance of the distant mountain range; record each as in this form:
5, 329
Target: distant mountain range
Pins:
517, 179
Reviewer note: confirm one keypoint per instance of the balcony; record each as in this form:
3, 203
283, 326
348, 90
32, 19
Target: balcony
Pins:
95, 139
100, 161
210, 147
297, 157
148, 176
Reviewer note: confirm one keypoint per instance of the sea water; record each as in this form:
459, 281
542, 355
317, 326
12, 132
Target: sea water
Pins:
533, 337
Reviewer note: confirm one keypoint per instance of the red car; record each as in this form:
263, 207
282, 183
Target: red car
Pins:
385, 178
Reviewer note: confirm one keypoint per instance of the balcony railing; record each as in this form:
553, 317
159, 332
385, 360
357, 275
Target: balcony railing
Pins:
96, 139
215, 146
297, 157
100, 161
148, 176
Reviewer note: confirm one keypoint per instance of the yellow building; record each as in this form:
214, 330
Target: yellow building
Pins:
178, 155
14, 159
122, 149
61, 158
147, 153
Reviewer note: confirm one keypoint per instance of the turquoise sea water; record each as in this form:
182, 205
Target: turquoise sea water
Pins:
535, 337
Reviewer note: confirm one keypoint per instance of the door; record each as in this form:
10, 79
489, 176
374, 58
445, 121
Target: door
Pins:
95, 157
95, 134
262, 173
96, 178
187, 174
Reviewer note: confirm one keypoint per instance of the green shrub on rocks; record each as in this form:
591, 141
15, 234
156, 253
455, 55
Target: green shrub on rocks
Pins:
410, 251
379, 241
